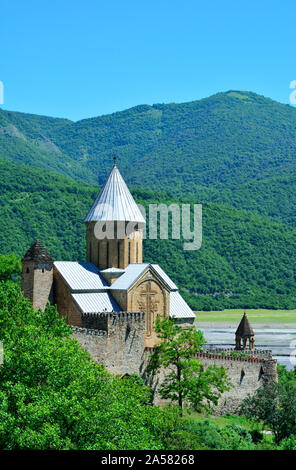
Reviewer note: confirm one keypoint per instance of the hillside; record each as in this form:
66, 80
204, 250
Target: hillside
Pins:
245, 260
231, 147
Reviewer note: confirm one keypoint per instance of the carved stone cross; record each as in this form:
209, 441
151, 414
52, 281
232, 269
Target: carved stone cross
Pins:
148, 304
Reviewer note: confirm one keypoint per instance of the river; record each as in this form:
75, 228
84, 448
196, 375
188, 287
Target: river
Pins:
281, 340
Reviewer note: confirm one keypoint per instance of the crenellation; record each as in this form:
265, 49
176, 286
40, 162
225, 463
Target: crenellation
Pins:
89, 331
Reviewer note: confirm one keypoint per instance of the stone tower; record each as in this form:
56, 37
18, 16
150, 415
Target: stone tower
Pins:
244, 333
114, 226
37, 275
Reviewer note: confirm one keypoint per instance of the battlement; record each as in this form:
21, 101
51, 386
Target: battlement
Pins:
258, 355
102, 321
89, 331
234, 358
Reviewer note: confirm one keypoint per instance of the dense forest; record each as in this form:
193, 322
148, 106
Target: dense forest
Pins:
237, 148
245, 260
54, 397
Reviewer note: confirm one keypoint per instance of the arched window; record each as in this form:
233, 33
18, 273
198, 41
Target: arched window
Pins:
27, 270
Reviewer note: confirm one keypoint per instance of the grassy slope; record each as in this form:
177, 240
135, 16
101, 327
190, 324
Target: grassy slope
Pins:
245, 260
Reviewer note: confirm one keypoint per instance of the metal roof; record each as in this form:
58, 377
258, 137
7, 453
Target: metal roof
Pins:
131, 274
114, 202
81, 276
97, 302
164, 277
178, 307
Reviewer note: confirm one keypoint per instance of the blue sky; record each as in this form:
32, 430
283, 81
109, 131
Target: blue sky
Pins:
78, 59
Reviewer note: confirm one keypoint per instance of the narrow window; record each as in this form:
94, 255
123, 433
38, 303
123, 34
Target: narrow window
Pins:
242, 375
28, 270
118, 254
43, 270
107, 254
129, 252
98, 254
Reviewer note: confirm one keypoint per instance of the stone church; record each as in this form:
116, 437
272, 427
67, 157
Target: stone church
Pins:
113, 298
114, 278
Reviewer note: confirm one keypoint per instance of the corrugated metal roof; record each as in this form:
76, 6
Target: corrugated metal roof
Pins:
134, 271
178, 307
114, 202
97, 302
164, 277
131, 274
81, 276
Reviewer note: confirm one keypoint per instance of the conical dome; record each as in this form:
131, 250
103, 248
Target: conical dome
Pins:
115, 202
244, 329
38, 253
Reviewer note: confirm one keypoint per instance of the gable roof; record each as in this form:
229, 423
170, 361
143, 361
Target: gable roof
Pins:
178, 307
131, 273
244, 328
96, 302
81, 276
115, 202
93, 294
38, 253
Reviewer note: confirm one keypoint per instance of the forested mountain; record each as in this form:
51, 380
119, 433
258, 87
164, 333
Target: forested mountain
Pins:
245, 260
236, 147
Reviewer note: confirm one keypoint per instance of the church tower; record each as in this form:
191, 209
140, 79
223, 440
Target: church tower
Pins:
115, 213
37, 275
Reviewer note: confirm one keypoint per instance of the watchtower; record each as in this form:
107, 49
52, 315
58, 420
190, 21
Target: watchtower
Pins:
37, 275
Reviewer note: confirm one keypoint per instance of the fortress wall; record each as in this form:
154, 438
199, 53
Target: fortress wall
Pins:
126, 333
120, 347
94, 341
246, 375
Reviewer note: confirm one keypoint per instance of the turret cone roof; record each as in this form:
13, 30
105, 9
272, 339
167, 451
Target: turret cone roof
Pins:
115, 202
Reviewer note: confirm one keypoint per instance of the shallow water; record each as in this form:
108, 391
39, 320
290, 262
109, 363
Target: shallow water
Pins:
282, 342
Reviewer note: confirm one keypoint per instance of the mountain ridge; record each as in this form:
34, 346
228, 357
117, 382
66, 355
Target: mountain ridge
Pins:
226, 144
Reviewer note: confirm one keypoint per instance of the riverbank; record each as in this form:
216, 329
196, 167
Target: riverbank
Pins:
262, 317
261, 326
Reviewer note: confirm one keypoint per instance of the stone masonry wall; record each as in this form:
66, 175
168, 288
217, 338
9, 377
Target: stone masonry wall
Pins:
246, 375
120, 347
64, 301
43, 285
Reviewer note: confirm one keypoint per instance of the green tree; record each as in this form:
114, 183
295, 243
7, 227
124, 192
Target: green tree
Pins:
186, 381
9, 264
275, 405
53, 396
